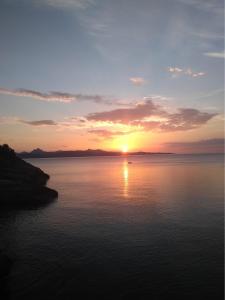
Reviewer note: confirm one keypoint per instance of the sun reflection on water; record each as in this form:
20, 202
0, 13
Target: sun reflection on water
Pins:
125, 179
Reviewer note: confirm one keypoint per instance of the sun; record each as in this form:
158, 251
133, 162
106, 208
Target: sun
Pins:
124, 148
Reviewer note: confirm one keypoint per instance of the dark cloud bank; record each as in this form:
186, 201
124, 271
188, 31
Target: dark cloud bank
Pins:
39, 122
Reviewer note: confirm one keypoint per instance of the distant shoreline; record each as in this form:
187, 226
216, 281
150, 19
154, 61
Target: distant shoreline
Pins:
122, 155
38, 153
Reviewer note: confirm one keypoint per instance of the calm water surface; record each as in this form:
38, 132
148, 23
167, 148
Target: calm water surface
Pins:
152, 229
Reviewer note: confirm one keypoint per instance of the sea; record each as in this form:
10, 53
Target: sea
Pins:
128, 227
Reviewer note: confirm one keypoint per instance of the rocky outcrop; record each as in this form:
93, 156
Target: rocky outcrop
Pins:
21, 184
5, 269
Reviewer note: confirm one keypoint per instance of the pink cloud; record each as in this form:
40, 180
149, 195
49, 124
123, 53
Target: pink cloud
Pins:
151, 116
138, 81
127, 115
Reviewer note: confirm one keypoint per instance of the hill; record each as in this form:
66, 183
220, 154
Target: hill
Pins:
38, 153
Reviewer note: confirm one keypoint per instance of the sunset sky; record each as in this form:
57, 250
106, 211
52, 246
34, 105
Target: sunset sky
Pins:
137, 74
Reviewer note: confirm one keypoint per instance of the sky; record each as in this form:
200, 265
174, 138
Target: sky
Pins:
124, 74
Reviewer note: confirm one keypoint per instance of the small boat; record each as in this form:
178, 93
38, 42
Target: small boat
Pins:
129, 162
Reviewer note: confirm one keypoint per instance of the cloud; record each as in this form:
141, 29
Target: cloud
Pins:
210, 6
39, 122
150, 116
105, 133
147, 125
63, 97
137, 81
176, 72
212, 93
207, 145
215, 54
50, 97
208, 35
126, 115
70, 4
11, 120
193, 74
186, 119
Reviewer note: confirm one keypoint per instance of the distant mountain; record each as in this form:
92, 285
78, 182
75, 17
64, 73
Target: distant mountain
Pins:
39, 153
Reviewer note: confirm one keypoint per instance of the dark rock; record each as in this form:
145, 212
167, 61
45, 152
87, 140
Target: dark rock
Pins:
5, 264
5, 269
21, 184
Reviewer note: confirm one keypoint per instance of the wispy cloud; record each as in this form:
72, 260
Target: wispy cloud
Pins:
208, 35
39, 122
216, 6
63, 97
150, 116
137, 81
11, 120
76, 4
210, 94
215, 54
176, 72
50, 97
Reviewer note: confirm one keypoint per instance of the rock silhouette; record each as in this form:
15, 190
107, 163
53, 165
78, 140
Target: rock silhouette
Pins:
21, 184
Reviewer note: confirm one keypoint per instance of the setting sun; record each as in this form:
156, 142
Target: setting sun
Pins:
124, 148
